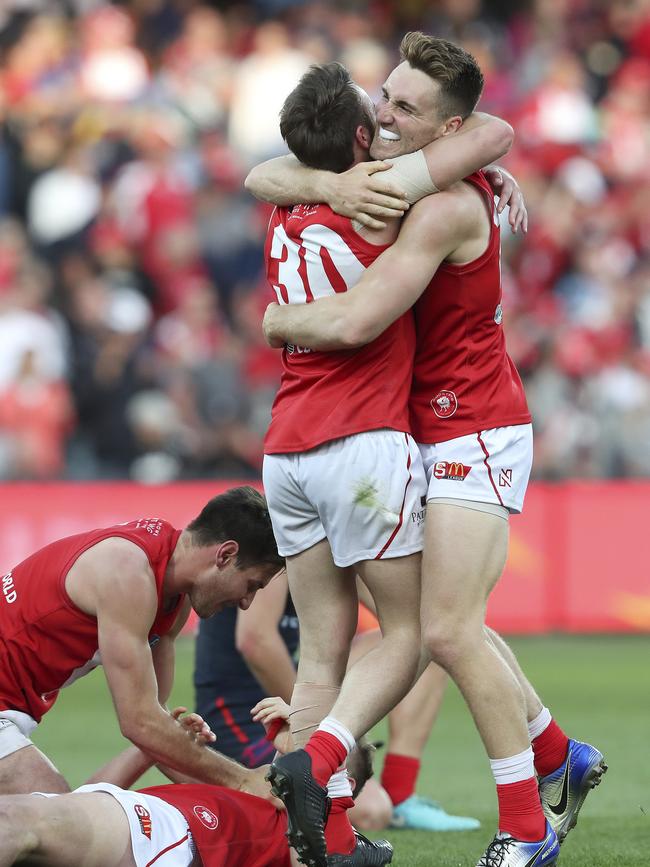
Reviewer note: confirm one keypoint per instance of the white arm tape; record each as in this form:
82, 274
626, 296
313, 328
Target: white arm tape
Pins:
410, 171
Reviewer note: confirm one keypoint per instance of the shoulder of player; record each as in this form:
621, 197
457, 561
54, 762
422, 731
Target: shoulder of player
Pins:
120, 561
442, 214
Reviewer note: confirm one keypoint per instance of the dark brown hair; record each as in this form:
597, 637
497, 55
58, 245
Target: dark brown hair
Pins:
359, 764
320, 117
240, 514
455, 70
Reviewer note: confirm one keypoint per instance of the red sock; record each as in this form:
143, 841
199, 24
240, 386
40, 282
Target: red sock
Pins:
550, 749
399, 776
520, 811
339, 834
327, 754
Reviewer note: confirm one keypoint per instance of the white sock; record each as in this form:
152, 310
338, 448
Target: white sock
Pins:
334, 727
514, 769
339, 785
542, 721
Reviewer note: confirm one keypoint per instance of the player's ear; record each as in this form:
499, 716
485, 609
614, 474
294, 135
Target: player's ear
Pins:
452, 124
226, 553
363, 137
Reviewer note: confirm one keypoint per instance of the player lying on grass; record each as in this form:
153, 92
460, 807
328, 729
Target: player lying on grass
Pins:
118, 596
103, 824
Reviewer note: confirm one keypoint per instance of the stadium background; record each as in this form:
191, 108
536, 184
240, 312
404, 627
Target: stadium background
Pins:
131, 291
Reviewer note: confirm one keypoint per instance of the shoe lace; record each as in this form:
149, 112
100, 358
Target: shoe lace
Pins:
496, 852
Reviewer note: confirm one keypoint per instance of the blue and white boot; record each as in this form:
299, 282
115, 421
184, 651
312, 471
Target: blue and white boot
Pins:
563, 792
505, 851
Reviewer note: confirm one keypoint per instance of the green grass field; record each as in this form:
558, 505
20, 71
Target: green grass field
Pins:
597, 687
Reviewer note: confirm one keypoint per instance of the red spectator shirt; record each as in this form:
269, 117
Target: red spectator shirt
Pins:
310, 253
46, 642
229, 828
464, 380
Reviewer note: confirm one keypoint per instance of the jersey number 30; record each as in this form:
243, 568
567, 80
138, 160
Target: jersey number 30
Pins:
320, 265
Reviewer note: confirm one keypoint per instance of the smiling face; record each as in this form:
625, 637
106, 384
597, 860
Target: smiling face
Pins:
408, 113
227, 585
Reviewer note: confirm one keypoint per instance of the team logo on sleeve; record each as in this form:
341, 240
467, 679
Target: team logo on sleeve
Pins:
444, 404
144, 818
206, 817
455, 471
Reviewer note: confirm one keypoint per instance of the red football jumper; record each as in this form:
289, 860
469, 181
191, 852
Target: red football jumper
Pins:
46, 642
311, 252
229, 828
464, 380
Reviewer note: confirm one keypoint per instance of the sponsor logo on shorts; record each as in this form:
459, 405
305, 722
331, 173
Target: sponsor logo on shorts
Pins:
505, 478
206, 817
498, 314
444, 404
144, 818
455, 471
417, 518
8, 588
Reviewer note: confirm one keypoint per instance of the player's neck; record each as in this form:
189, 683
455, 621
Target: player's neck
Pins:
182, 567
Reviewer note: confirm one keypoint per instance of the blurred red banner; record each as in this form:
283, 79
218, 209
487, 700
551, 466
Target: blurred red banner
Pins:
579, 555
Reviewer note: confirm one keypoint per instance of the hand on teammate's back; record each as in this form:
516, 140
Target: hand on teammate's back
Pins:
363, 194
509, 192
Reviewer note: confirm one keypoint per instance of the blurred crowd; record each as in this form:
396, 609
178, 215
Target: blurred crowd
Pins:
131, 281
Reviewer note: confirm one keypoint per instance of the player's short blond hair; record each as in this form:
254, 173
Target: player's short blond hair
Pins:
454, 69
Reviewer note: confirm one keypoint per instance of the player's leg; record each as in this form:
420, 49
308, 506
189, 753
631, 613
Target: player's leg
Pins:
567, 769
465, 552
466, 544
410, 725
23, 767
90, 830
325, 598
456, 581
374, 511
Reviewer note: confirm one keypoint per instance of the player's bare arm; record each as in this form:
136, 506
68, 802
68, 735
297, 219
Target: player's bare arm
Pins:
372, 192
125, 607
391, 285
163, 654
258, 639
361, 193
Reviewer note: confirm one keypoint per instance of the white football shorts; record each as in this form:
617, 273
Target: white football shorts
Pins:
159, 832
365, 494
492, 466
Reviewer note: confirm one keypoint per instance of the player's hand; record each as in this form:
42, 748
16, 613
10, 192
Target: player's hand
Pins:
506, 187
194, 725
270, 326
254, 783
363, 194
273, 713
268, 709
